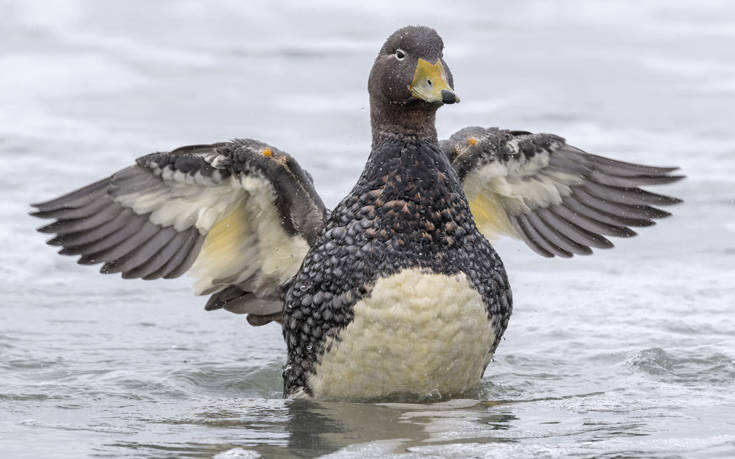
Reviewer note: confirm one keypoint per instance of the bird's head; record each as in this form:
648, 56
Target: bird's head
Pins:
410, 70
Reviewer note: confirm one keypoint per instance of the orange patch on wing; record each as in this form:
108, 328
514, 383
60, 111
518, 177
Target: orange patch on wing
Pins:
472, 140
267, 152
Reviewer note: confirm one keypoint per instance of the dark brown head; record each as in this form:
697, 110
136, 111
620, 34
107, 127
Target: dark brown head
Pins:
410, 80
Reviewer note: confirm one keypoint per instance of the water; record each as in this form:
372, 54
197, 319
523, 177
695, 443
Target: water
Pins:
629, 353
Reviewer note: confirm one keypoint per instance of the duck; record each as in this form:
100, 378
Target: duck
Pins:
395, 292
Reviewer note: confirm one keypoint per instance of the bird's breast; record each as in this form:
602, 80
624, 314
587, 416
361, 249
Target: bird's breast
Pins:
416, 333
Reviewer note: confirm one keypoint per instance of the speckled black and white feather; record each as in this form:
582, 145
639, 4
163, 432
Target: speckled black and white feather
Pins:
407, 210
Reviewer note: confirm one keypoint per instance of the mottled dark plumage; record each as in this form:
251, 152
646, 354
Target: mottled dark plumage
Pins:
244, 218
407, 210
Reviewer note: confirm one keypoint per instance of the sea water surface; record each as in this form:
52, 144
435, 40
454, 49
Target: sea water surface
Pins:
627, 353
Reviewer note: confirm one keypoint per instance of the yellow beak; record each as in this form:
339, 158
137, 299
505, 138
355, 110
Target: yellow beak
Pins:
430, 83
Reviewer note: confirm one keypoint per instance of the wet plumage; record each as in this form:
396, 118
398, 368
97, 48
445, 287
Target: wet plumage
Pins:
406, 211
397, 290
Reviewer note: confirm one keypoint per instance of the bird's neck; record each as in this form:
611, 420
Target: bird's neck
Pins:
399, 158
388, 120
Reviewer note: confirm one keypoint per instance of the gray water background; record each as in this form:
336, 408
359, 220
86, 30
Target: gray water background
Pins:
628, 353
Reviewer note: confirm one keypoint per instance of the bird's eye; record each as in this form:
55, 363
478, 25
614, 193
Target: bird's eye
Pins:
400, 54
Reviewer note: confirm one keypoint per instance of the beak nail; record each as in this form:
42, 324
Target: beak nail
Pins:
448, 97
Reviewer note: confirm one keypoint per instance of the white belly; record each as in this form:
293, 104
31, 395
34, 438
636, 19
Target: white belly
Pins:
417, 333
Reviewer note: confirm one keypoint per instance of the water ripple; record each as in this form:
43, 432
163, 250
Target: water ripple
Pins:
713, 368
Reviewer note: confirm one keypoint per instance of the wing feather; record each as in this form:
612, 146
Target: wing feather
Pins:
612, 212
96, 252
237, 215
74, 199
632, 181
143, 252
531, 239
180, 248
572, 231
557, 198
117, 254
83, 240
161, 257
631, 196
533, 234
615, 167
63, 227
579, 215
187, 259
554, 237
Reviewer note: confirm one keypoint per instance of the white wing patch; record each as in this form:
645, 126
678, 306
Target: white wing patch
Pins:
237, 215
248, 245
282, 254
245, 242
496, 191
183, 201
557, 198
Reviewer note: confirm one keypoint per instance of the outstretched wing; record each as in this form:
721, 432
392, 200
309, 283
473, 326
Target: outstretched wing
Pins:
239, 216
557, 198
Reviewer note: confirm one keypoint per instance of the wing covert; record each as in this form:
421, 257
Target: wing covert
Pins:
238, 215
557, 198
